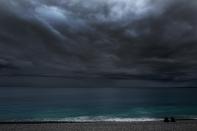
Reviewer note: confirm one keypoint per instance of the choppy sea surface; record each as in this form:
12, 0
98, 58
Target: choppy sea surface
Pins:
94, 103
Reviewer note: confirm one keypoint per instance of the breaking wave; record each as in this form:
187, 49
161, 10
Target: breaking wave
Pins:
102, 119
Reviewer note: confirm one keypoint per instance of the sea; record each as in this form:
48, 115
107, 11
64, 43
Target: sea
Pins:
94, 102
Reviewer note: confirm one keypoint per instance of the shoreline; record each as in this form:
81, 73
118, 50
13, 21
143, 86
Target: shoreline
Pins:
51, 122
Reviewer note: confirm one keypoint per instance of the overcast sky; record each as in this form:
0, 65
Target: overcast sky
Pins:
154, 38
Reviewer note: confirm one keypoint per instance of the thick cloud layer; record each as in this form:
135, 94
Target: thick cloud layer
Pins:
142, 39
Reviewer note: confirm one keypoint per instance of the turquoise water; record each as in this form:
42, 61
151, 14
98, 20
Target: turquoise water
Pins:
94, 104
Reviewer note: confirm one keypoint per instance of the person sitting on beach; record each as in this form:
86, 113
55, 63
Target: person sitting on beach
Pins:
166, 119
172, 119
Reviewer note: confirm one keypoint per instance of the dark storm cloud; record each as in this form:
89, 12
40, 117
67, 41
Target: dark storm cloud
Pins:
154, 39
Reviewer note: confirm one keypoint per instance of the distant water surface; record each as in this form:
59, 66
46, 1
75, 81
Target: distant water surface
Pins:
96, 103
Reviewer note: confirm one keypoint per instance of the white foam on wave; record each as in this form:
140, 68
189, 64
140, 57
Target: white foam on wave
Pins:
102, 119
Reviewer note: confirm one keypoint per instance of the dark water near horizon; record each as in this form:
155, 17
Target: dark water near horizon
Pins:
84, 104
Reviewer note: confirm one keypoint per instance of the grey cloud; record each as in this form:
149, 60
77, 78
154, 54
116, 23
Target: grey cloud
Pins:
145, 37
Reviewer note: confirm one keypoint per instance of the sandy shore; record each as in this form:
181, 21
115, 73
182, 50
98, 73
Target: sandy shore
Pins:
101, 126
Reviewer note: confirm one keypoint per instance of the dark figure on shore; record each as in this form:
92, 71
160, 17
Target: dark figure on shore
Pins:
172, 119
166, 119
